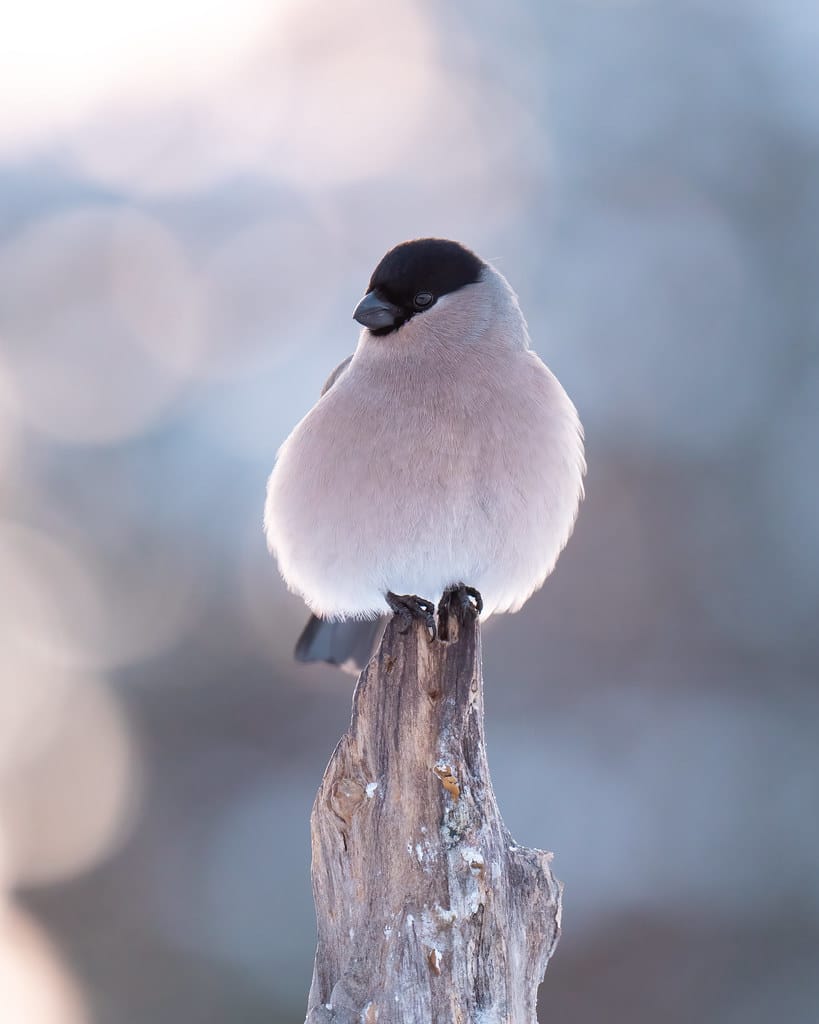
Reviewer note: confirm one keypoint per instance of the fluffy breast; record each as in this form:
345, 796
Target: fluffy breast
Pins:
409, 475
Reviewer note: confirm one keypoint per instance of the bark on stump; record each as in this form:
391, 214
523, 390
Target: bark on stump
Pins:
427, 909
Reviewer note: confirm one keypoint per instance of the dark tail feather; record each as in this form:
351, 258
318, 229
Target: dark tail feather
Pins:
347, 644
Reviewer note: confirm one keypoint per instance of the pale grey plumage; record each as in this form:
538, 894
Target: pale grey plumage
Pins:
342, 366
443, 452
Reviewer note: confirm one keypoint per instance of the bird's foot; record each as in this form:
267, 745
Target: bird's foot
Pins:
409, 607
458, 601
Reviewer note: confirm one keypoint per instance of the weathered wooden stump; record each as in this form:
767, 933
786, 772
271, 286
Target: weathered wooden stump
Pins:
427, 909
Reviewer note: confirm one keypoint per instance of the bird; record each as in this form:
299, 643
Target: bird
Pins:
442, 457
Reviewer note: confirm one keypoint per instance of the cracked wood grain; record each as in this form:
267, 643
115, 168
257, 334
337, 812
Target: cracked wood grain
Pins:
427, 909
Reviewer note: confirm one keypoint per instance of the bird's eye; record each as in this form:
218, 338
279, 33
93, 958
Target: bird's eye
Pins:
422, 300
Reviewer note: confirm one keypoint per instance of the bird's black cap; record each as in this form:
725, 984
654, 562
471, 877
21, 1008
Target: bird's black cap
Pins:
412, 277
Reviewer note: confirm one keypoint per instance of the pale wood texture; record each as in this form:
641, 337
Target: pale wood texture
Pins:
427, 909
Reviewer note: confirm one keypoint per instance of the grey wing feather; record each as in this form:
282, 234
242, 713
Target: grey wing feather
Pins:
335, 375
349, 644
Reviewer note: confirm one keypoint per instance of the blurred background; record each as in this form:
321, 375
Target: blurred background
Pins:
192, 197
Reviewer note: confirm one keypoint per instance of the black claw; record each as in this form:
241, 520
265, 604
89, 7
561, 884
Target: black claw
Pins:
459, 601
409, 607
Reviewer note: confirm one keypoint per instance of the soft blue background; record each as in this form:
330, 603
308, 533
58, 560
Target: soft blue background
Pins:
178, 269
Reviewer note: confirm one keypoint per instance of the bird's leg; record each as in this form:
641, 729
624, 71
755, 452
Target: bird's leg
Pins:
410, 607
461, 601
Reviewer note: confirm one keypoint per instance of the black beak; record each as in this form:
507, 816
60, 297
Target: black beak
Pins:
376, 312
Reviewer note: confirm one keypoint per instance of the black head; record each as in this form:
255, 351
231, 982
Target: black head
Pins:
411, 278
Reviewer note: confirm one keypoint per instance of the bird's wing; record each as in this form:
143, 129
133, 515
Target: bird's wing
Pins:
335, 375
346, 644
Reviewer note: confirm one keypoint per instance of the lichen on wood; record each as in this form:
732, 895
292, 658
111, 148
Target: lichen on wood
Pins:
427, 909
